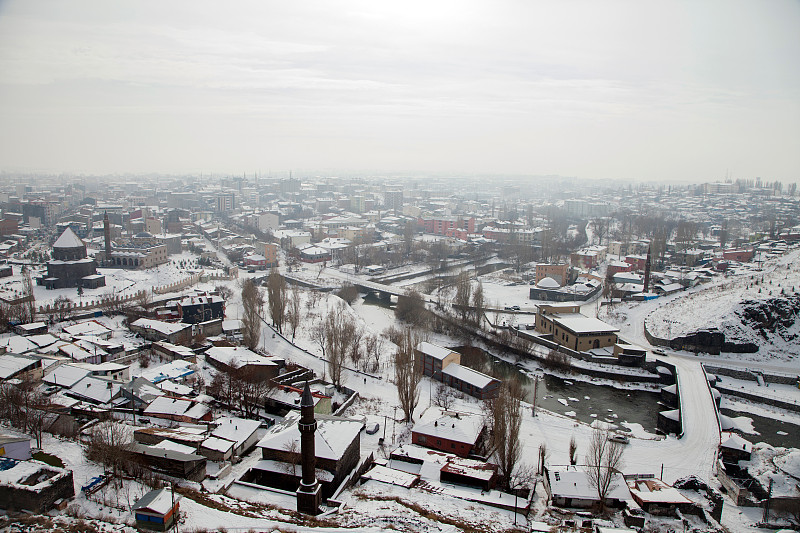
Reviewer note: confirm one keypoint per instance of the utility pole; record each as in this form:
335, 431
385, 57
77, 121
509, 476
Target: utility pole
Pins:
535, 392
767, 502
394, 423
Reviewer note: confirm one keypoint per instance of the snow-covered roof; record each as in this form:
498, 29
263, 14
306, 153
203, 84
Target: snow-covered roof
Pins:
218, 444
66, 375
166, 328
391, 476
332, 437
175, 389
579, 323
548, 283
235, 429
167, 444
17, 344
652, 490
90, 327
156, 501
68, 239
172, 370
42, 340
735, 442
468, 375
571, 482
10, 364
165, 405
236, 356
95, 389
433, 350
457, 427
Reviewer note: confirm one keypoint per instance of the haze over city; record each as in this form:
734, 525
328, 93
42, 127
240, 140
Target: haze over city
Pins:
642, 91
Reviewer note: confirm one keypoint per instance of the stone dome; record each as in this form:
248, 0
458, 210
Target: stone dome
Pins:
547, 283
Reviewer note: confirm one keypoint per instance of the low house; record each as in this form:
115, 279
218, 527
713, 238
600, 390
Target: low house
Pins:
196, 309
157, 510
33, 485
179, 410
216, 449
177, 370
240, 359
13, 366
444, 365
569, 486
187, 436
156, 330
174, 351
170, 462
337, 445
95, 390
34, 328
735, 448
629, 354
284, 398
90, 328
658, 498
445, 467
455, 433
240, 431
138, 393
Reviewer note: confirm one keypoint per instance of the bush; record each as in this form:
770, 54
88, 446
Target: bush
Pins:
348, 293
557, 360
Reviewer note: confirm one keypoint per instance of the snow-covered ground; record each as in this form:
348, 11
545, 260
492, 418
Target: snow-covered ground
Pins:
716, 305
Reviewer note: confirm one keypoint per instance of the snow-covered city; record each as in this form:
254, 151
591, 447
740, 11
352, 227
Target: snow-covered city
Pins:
419, 266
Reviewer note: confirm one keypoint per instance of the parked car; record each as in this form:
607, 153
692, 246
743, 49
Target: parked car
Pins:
512, 308
617, 437
659, 351
372, 428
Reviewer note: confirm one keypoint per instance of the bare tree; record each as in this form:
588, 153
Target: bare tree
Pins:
603, 460
504, 420
373, 345
478, 304
444, 397
108, 445
253, 303
340, 335
463, 293
61, 309
276, 296
410, 308
408, 373
294, 315
573, 451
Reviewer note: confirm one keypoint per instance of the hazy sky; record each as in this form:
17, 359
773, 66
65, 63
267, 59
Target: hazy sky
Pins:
595, 89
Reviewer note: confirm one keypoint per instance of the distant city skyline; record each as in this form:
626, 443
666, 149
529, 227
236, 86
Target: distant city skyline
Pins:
669, 92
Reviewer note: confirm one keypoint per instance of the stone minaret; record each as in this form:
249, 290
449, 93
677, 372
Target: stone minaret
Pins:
107, 235
647, 271
309, 492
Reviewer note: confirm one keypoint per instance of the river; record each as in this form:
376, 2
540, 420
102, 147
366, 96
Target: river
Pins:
585, 401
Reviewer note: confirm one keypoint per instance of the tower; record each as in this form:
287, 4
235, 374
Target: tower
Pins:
309, 493
647, 271
107, 235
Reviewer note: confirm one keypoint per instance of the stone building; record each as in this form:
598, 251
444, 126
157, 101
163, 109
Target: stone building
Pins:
70, 266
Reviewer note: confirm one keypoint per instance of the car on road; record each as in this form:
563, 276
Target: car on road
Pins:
618, 437
512, 308
659, 351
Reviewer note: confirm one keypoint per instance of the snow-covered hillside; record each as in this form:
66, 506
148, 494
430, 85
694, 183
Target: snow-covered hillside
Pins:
757, 306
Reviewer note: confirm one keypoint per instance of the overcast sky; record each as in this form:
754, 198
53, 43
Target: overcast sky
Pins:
632, 90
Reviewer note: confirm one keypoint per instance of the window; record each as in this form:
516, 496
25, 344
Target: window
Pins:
422, 439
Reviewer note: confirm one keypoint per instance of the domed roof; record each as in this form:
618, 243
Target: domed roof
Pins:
548, 283
144, 235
